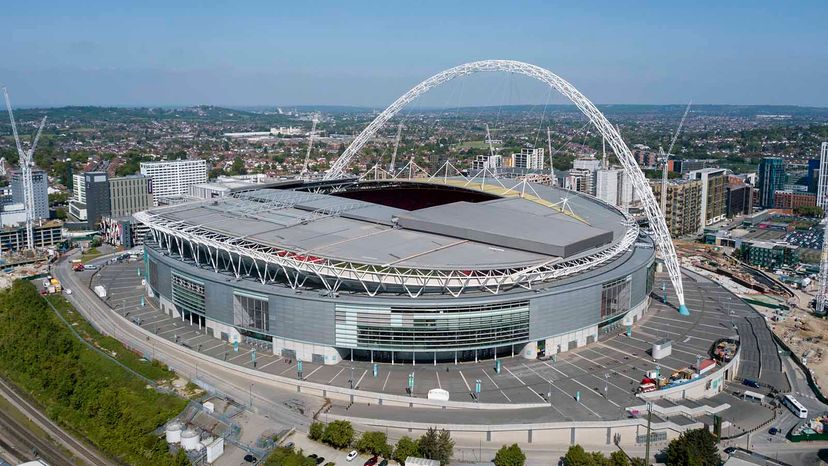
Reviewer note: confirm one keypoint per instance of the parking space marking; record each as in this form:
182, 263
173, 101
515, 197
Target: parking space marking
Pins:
261, 368
486, 373
360, 378
516, 377
386, 380
335, 376
464, 380
312, 372
437, 373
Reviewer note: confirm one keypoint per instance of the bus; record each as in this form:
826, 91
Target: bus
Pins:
795, 406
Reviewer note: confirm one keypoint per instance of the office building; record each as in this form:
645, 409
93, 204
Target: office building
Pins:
714, 184
173, 178
683, 205
40, 186
771, 179
98, 204
528, 159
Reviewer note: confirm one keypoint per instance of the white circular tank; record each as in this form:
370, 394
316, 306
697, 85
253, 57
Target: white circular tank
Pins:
190, 440
173, 432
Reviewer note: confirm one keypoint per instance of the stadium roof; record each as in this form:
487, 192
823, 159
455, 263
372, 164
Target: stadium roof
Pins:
506, 232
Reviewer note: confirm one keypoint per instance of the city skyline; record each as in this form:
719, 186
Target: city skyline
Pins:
153, 54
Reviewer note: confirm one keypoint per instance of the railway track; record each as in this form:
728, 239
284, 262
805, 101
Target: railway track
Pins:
50, 452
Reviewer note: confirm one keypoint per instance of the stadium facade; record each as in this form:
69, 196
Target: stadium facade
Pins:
400, 271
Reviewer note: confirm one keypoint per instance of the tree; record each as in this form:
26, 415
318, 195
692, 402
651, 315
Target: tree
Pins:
406, 446
576, 456
338, 434
317, 429
619, 458
237, 168
510, 456
375, 443
695, 447
437, 445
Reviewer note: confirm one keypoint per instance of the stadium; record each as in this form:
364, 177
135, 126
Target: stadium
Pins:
402, 270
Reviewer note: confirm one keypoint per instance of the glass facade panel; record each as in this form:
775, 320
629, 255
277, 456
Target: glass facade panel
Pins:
251, 312
615, 298
450, 327
187, 294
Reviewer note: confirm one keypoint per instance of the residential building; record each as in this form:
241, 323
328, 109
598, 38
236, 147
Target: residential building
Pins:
173, 178
40, 186
487, 162
792, 199
771, 179
129, 194
608, 185
528, 159
738, 199
682, 207
687, 165
713, 202
581, 180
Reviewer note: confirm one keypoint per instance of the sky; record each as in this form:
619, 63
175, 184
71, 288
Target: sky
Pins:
366, 53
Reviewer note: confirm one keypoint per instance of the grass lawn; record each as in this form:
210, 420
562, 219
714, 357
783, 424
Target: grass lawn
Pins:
90, 254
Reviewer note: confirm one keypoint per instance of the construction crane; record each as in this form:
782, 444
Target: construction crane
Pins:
310, 146
26, 162
666, 156
392, 167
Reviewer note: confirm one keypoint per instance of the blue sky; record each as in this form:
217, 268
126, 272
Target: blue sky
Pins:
368, 53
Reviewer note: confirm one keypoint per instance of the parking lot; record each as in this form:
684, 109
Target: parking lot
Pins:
594, 382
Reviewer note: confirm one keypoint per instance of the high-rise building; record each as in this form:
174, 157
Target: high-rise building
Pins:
528, 159
738, 199
97, 206
608, 185
714, 197
488, 162
771, 179
174, 178
40, 186
812, 177
129, 194
822, 183
683, 206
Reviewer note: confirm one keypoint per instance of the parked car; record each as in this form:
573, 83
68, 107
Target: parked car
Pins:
773, 431
750, 383
372, 461
320, 459
290, 445
383, 463
250, 458
353, 454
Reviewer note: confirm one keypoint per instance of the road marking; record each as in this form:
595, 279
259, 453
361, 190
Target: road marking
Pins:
308, 376
337, 375
439, 385
238, 356
498, 388
386, 380
261, 368
464, 380
360, 378
513, 375
289, 368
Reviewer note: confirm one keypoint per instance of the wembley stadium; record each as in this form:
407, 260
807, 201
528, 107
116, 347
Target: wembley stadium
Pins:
401, 270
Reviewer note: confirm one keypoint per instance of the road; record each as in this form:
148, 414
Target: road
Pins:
18, 437
260, 393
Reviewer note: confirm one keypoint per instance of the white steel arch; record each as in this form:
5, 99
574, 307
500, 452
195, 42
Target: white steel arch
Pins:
607, 130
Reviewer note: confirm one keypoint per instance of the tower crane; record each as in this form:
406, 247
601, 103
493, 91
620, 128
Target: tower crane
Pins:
392, 167
667, 156
310, 146
26, 163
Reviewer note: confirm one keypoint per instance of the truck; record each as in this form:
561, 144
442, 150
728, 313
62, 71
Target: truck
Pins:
77, 265
100, 291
